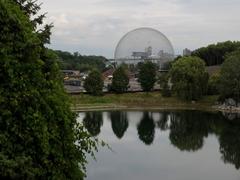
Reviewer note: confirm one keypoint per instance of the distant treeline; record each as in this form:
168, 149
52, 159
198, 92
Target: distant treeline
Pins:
76, 61
214, 54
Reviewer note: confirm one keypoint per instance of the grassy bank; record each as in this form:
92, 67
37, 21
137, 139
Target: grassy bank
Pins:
139, 100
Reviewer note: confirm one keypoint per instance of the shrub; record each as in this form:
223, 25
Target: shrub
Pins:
120, 80
94, 83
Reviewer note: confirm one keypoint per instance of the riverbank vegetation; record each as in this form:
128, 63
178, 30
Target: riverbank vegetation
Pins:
187, 79
138, 100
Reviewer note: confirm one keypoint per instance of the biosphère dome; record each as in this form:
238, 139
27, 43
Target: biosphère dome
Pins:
144, 44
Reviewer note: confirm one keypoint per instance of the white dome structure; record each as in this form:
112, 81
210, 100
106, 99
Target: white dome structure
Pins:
144, 44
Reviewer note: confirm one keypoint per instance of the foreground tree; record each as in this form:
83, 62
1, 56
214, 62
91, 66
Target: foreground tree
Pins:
120, 80
147, 76
94, 83
229, 80
189, 78
38, 139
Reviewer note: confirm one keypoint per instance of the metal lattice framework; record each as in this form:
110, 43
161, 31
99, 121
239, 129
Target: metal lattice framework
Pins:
144, 44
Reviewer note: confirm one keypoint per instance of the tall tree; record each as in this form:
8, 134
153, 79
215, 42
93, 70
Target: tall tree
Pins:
189, 78
147, 76
94, 83
229, 83
38, 139
120, 80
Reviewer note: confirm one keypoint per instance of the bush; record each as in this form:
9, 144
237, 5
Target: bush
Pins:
94, 83
229, 80
189, 78
147, 76
120, 80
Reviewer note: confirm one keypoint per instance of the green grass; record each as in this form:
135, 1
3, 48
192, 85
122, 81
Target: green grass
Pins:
139, 100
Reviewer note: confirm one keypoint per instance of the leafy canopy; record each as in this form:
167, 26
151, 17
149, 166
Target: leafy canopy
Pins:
189, 78
120, 80
214, 54
79, 62
39, 135
229, 80
147, 76
94, 83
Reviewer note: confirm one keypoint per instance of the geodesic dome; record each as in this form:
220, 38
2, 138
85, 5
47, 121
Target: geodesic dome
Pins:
144, 44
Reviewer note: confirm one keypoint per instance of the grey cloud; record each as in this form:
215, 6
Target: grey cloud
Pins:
95, 26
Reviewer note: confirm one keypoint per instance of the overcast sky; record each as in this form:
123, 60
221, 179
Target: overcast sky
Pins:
95, 26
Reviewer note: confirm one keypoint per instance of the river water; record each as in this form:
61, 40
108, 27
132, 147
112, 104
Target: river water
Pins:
166, 145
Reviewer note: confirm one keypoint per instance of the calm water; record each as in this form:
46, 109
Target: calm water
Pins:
180, 145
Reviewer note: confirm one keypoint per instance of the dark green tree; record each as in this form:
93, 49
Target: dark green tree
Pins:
229, 80
147, 76
214, 53
94, 83
38, 138
189, 78
213, 84
120, 80
79, 62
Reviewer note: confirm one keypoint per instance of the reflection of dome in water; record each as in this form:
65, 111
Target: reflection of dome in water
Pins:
144, 44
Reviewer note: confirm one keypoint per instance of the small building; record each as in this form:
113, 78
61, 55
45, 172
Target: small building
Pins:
71, 73
187, 52
108, 74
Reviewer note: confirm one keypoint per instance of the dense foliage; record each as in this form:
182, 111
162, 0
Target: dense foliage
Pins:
214, 53
37, 135
213, 84
120, 80
94, 83
189, 78
77, 61
164, 84
229, 80
147, 76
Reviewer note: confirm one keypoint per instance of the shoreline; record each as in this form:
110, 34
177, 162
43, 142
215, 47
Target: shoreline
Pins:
144, 101
150, 108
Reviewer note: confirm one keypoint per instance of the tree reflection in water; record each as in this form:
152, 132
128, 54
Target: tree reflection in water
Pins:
187, 130
93, 122
163, 121
146, 129
230, 143
119, 122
